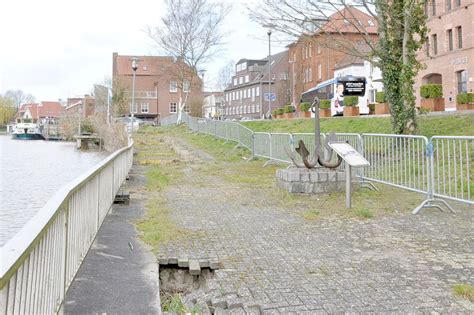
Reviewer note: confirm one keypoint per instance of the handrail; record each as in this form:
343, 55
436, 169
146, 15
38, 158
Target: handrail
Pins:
12, 251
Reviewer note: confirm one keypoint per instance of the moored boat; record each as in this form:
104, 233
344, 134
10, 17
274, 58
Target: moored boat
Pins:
26, 131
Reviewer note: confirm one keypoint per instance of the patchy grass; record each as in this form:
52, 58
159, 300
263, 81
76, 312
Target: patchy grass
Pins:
449, 125
156, 227
465, 291
172, 303
161, 170
364, 213
311, 215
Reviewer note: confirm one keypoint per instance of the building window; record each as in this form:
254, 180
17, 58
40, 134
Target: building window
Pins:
245, 94
433, 7
448, 5
434, 38
427, 47
247, 78
241, 80
459, 32
449, 37
457, 3
319, 49
185, 86
145, 107
462, 81
372, 96
257, 91
370, 23
310, 48
320, 71
235, 81
173, 108
173, 86
310, 74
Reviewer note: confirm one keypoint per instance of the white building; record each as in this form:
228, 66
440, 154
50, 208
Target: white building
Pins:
213, 105
357, 67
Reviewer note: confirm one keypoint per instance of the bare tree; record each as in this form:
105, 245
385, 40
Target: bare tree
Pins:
19, 97
401, 29
225, 75
191, 32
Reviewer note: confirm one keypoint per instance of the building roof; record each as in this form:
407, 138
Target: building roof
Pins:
343, 21
147, 65
43, 109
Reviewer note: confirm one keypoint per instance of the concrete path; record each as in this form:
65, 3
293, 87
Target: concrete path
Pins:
119, 274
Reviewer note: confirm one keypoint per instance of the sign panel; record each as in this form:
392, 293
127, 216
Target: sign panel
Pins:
353, 86
266, 96
349, 154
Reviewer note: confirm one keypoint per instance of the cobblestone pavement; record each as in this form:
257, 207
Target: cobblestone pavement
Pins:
274, 258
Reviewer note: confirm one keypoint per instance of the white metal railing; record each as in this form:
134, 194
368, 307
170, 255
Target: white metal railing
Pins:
39, 263
439, 167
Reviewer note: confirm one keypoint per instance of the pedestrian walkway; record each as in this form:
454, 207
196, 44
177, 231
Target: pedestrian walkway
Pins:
119, 274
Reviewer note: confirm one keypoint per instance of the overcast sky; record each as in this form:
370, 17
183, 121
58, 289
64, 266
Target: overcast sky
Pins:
58, 49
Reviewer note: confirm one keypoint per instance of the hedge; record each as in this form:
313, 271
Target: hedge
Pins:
380, 97
465, 98
280, 111
324, 104
431, 91
351, 100
288, 109
305, 106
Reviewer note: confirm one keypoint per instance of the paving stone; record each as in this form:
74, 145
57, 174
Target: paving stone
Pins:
194, 268
394, 263
183, 262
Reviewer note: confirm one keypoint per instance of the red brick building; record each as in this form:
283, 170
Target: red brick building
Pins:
449, 49
85, 105
157, 85
312, 59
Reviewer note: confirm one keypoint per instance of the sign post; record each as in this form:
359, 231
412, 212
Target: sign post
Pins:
352, 159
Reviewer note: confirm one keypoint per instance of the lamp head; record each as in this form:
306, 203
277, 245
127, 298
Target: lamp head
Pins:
134, 64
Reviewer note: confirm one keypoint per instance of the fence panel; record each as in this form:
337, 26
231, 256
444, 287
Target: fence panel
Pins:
397, 160
453, 168
262, 144
281, 143
245, 136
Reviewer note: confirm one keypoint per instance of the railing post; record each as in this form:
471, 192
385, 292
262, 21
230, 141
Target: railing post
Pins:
271, 145
253, 144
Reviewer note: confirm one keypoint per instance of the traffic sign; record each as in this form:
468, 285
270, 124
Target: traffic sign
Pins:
273, 96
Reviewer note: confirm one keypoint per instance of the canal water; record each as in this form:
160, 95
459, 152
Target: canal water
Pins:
31, 172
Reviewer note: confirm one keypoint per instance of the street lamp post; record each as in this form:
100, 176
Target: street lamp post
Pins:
134, 68
202, 72
293, 101
269, 33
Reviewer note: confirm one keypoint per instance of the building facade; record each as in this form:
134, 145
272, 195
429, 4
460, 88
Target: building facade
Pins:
85, 105
449, 49
251, 93
313, 58
159, 82
213, 105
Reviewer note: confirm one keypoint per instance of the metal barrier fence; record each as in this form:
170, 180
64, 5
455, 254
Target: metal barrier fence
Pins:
439, 167
39, 263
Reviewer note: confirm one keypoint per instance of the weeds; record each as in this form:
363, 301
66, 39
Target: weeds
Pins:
465, 291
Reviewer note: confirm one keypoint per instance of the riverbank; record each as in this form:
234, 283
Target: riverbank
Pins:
295, 253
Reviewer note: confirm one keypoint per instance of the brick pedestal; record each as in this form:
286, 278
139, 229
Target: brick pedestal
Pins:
314, 181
